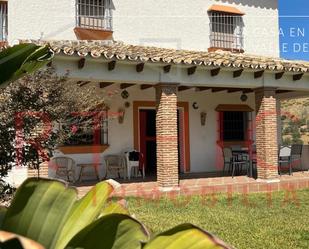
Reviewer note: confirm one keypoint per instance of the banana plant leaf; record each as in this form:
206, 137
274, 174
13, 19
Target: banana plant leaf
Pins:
186, 236
114, 208
21, 59
114, 231
84, 211
48, 212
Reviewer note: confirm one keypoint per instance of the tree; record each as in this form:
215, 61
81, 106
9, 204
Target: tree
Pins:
30, 107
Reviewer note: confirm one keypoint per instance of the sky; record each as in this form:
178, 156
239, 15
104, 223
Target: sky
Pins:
294, 29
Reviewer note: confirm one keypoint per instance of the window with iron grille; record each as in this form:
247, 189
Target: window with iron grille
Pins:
3, 21
86, 128
226, 31
233, 125
94, 14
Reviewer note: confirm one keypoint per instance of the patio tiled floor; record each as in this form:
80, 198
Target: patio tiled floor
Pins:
204, 186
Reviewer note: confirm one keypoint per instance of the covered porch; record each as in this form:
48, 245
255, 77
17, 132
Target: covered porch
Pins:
184, 96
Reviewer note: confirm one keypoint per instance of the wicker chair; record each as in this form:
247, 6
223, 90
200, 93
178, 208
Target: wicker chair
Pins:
115, 163
64, 166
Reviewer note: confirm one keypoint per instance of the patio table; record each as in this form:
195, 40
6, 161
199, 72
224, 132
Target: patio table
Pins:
94, 166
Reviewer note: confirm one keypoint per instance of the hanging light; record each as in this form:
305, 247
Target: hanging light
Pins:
243, 97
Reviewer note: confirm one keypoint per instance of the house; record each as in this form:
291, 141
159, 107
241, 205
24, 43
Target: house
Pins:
189, 78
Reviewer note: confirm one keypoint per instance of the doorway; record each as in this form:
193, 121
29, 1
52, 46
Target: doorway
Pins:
148, 143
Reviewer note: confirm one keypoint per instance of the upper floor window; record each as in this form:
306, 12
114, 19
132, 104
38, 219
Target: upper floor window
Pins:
3, 21
226, 29
94, 14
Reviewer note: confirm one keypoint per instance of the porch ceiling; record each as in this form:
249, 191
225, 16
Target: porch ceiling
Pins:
153, 65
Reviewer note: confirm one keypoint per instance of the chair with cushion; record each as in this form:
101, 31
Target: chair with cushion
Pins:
284, 158
296, 153
64, 166
135, 161
115, 163
232, 161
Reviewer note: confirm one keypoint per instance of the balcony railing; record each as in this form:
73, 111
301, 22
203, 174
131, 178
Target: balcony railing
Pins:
94, 14
3, 22
226, 31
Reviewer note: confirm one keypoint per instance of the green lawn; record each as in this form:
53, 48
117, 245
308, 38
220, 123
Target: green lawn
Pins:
269, 221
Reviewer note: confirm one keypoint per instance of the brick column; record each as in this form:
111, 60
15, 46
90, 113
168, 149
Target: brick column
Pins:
266, 133
167, 137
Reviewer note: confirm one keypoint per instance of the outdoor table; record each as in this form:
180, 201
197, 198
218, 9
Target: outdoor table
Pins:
94, 166
245, 151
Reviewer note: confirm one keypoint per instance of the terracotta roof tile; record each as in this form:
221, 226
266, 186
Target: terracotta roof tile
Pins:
120, 51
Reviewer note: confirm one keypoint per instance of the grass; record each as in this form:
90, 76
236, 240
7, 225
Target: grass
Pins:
264, 221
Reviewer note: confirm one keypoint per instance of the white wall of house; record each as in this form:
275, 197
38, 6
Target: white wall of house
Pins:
179, 24
37, 19
185, 25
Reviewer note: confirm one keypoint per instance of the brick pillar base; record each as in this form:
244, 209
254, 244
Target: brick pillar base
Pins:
266, 133
167, 137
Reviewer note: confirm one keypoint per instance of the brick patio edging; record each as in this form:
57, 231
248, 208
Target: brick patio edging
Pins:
206, 186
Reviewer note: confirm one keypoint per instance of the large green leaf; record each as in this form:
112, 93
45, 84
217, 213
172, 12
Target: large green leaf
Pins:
48, 212
39, 209
85, 211
3, 211
114, 208
20, 59
185, 236
115, 231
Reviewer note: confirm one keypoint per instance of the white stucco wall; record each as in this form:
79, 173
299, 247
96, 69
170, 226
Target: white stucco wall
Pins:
177, 24
37, 19
185, 25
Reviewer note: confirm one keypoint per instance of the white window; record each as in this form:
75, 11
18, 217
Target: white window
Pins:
3, 21
226, 31
94, 14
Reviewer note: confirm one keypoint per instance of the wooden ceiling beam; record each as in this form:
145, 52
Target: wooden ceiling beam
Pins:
111, 65
215, 72
82, 83
125, 85
201, 88
234, 90
105, 84
278, 76
191, 70
237, 73
297, 76
183, 88
218, 89
248, 91
144, 86
283, 91
258, 74
140, 67
81, 63
167, 68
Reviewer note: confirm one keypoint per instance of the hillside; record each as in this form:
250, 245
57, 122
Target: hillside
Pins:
295, 120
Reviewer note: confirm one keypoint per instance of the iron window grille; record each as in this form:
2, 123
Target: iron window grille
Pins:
235, 126
81, 129
94, 14
226, 31
3, 21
